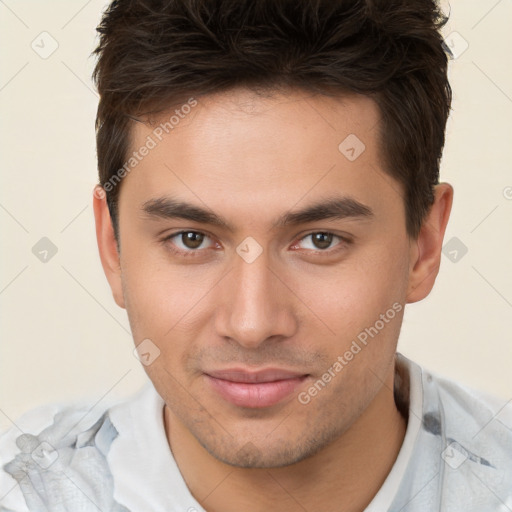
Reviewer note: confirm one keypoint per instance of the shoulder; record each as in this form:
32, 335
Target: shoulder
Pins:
454, 411
475, 433
473, 416
457, 448
52, 447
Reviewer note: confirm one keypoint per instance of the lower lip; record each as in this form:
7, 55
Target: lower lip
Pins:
256, 395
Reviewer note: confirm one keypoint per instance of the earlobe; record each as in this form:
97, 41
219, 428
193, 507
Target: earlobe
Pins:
426, 249
107, 245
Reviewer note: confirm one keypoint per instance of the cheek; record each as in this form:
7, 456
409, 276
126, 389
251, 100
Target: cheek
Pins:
163, 306
342, 301
160, 298
363, 305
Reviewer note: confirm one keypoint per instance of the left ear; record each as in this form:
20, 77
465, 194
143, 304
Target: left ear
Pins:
425, 255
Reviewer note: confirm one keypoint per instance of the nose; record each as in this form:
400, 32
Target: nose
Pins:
255, 305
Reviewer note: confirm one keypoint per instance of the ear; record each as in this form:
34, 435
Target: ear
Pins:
107, 245
425, 255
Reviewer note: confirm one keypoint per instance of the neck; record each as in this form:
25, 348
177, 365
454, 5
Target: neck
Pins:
345, 475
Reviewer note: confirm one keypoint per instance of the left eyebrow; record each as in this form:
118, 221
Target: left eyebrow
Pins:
332, 208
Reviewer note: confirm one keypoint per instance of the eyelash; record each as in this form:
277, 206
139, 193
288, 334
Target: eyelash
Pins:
196, 252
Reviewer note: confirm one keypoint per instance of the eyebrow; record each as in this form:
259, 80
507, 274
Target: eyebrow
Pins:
331, 208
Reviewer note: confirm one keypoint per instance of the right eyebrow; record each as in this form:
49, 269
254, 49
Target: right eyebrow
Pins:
170, 208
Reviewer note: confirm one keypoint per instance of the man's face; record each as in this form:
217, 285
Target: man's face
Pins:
249, 317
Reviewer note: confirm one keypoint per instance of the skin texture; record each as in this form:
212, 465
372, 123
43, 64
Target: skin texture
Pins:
297, 306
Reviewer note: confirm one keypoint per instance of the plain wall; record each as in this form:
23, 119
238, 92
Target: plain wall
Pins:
62, 335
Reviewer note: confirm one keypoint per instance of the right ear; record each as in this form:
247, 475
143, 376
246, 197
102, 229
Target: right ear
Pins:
107, 244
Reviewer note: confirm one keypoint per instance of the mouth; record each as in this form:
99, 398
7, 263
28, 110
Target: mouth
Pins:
254, 389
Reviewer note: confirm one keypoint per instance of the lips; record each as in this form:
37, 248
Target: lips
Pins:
254, 389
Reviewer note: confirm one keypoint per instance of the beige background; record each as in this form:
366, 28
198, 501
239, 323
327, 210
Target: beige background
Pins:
63, 337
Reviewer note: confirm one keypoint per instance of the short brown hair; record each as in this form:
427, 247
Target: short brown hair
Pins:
154, 54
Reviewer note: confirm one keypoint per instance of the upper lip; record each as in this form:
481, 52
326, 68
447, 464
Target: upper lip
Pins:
255, 376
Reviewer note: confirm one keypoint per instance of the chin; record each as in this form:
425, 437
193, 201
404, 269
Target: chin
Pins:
278, 454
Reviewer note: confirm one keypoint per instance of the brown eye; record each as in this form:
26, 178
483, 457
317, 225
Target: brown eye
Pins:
188, 242
192, 239
322, 240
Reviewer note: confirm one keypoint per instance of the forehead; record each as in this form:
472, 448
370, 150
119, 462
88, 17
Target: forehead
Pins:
261, 152
240, 111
